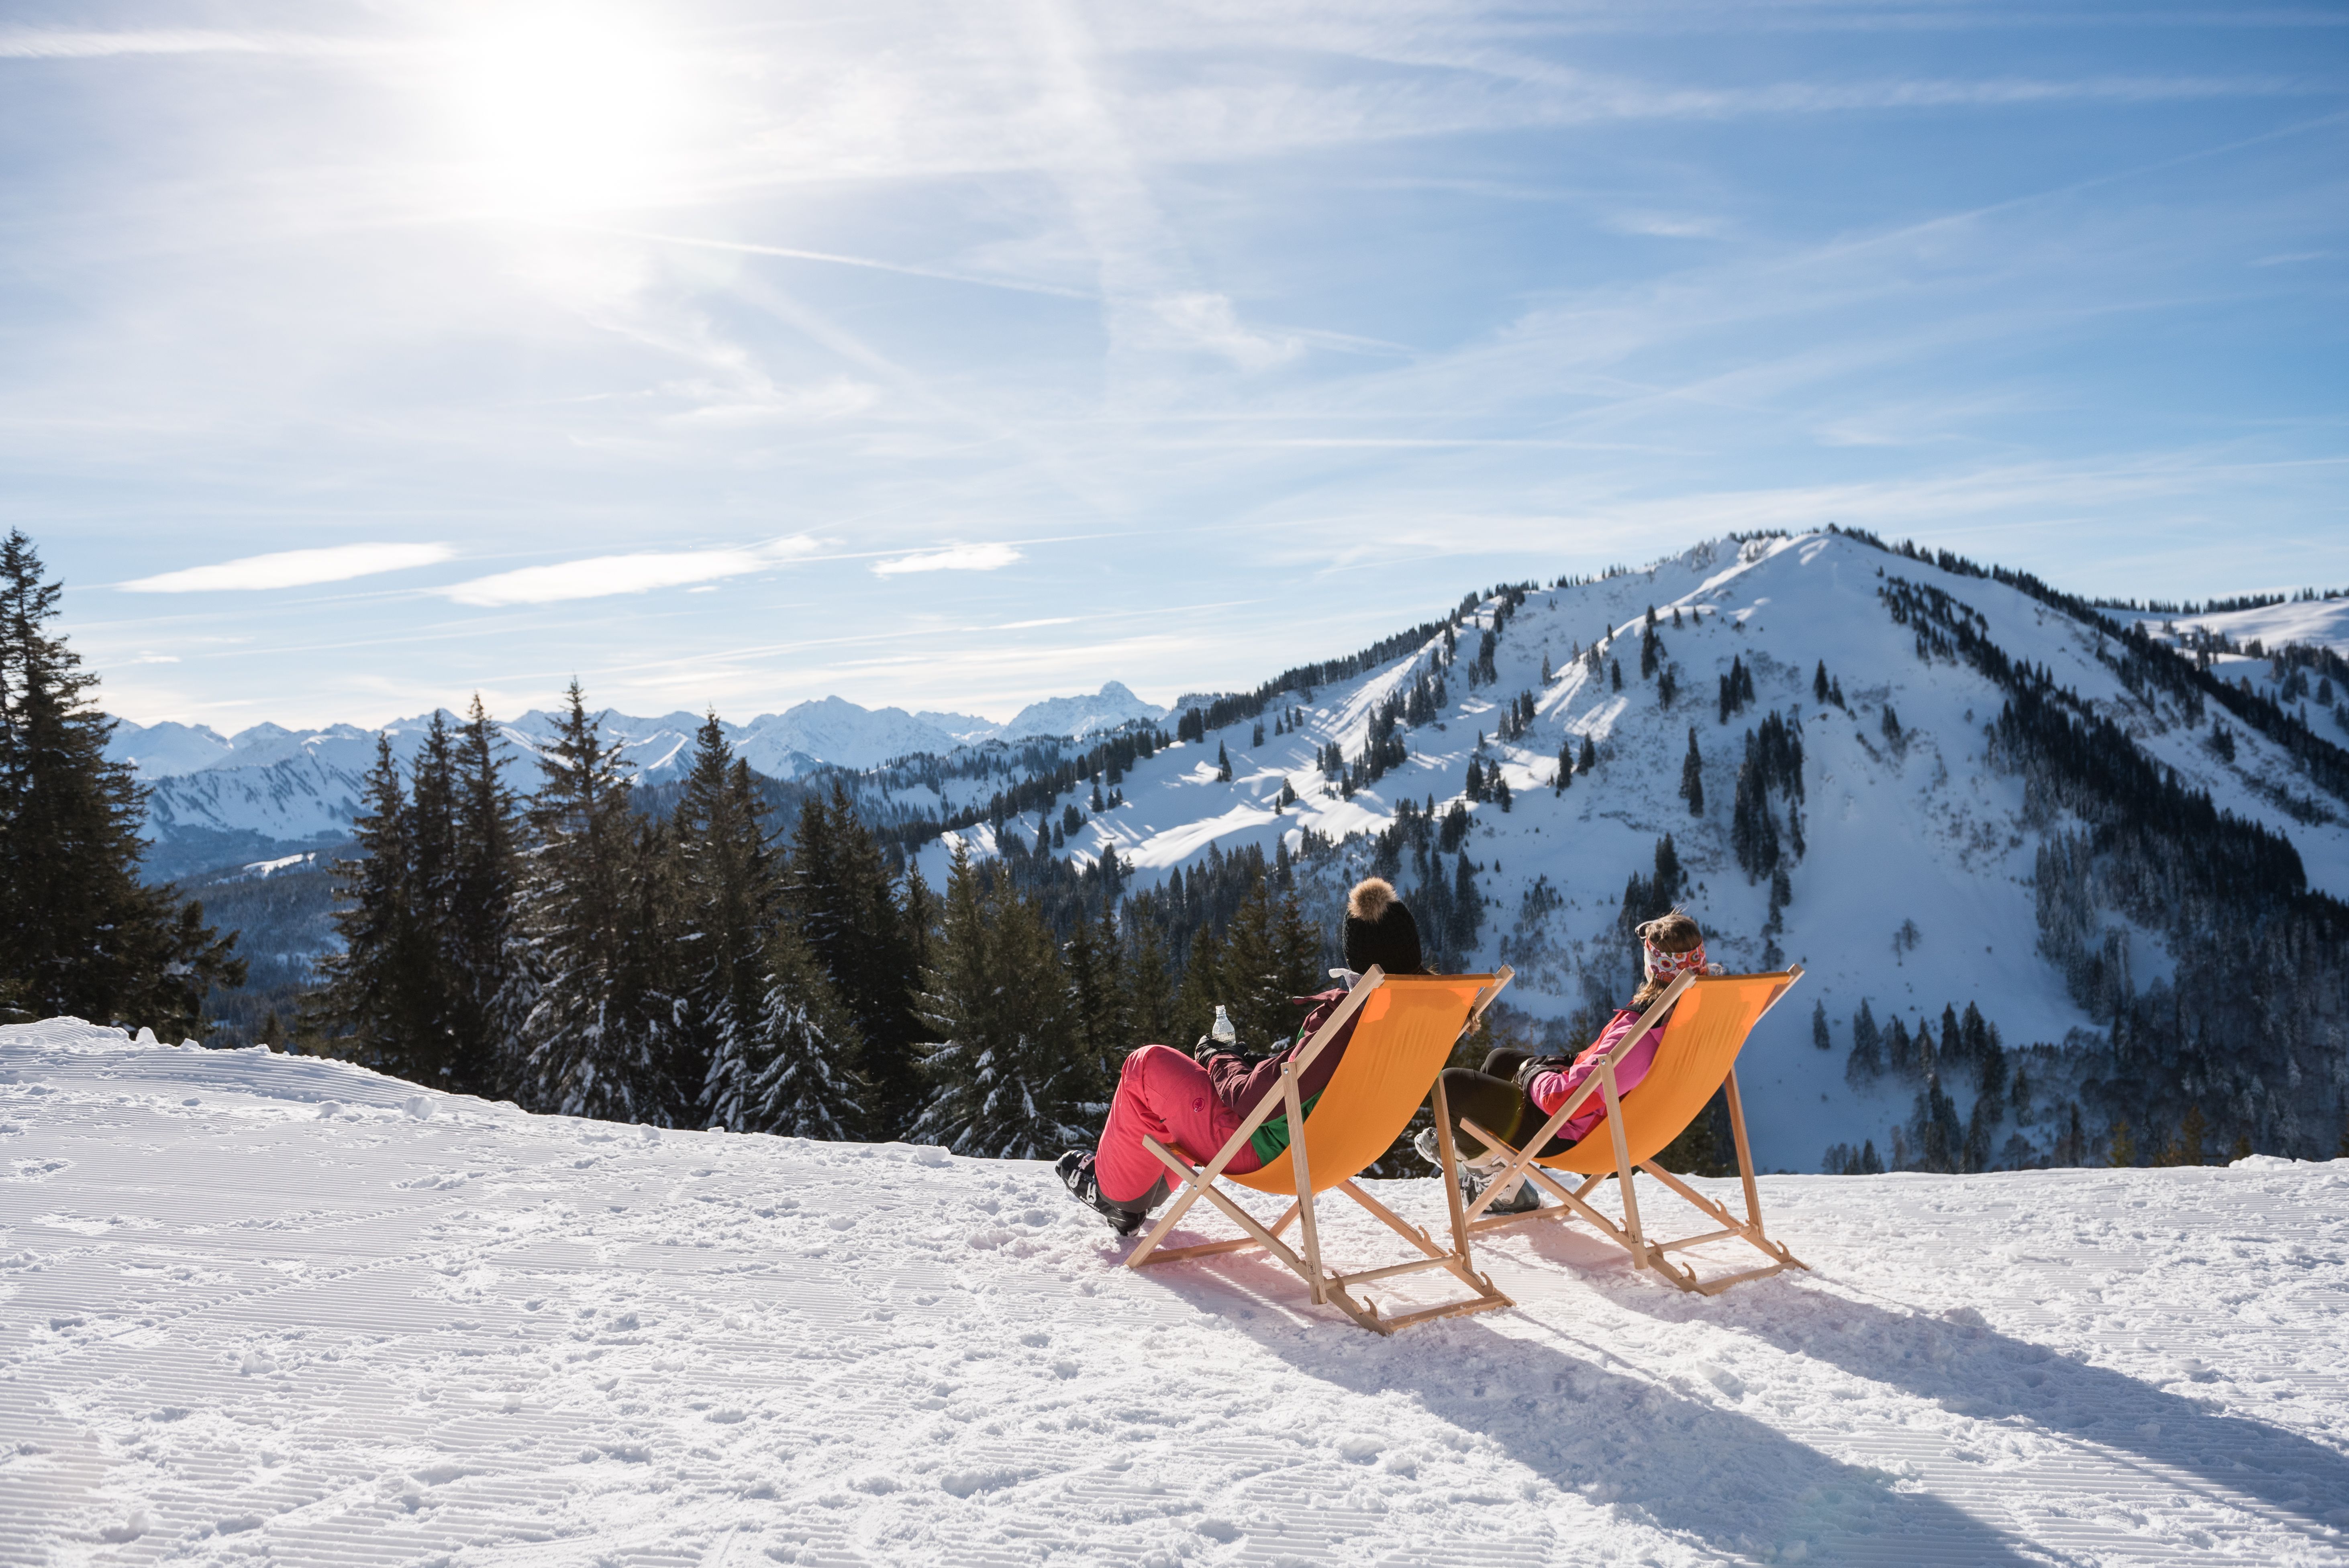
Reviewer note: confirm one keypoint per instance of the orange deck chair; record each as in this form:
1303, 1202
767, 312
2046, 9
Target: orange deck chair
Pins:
1712, 1015
1408, 1025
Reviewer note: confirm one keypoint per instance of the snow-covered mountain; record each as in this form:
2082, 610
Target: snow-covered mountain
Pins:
1915, 854
267, 790
1080, 716
1916, 888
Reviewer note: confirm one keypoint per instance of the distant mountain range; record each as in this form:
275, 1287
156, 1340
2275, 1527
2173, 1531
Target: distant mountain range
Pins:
267, 791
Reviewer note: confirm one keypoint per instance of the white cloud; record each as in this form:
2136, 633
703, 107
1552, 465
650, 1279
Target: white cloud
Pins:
598, 576
1665, 225
293, 568
731, 408
955, 557
1208, 320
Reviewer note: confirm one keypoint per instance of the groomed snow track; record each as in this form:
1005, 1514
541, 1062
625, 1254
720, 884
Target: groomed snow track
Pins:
255, 1306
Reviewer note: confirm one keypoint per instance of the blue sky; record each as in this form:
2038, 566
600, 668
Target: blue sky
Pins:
354, 358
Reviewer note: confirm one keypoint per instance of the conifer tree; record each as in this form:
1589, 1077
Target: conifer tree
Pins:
1200, 989
1003, 1064
1147, 989
728, 895
425, 919
482, 945
1467, 910
838, 888
2123, 1147
788, 1070
1589, 755
1693, 777
1269, 955
1089, 960
1867, 1061
2072, 1143
431, 1047
1821, 1035
601, 1038
373, 1007
79, 934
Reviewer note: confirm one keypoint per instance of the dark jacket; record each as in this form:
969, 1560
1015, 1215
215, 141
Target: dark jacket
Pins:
1240, 1083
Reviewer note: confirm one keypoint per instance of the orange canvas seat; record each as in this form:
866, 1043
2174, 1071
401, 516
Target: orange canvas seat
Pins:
1711, 1017
1406, 1027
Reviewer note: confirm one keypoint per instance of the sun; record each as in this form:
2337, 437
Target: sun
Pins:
566, 109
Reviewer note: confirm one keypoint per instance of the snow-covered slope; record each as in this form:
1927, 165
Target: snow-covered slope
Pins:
266, 1307
2320, 621
1920, 833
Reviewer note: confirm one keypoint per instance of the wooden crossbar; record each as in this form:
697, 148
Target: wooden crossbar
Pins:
1328, 1287
1631, 1234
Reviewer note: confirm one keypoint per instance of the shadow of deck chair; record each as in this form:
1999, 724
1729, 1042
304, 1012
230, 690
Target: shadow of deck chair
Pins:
1407, 1025
1711, 1017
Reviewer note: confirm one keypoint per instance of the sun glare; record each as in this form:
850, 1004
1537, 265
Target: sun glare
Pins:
567, 109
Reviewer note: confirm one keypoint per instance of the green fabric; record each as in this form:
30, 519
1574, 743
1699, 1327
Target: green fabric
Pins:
1270, 1139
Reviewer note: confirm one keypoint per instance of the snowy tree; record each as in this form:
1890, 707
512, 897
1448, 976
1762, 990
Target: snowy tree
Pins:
1006, 1074
868, 937
80, 932
601, 1037
727, 899
1268, 955
1091, 960
372, 1006
421, 987
481, 943
788, 1066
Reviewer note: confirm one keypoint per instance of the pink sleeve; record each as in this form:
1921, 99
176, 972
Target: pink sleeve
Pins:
1549, 1091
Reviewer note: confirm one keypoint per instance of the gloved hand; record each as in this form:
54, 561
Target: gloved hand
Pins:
1206, 1050
1534, 1066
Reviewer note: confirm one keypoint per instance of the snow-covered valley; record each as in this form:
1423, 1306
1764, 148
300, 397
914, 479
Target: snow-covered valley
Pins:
260, 1307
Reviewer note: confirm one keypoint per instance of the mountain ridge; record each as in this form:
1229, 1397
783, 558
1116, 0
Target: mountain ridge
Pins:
1860, 801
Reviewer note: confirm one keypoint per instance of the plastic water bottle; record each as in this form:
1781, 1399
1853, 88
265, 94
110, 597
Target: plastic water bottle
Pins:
1223, 1032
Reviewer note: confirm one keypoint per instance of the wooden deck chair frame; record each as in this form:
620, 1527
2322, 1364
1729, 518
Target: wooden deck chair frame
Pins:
1329, 1287
1630, 1236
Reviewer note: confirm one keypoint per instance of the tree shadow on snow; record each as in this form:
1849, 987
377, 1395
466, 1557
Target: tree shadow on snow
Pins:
1970, 1368
1690, 1465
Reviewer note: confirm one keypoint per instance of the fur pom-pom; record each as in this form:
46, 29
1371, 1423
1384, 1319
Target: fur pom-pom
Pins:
1371, 897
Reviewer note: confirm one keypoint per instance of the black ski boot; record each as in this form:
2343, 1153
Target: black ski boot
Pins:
1076, 1168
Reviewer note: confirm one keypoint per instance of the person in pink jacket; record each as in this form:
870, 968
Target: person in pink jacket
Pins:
1514, 1093
1192, 1102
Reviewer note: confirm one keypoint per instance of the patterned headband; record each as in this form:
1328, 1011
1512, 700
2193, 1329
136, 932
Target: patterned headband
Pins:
1663, 966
